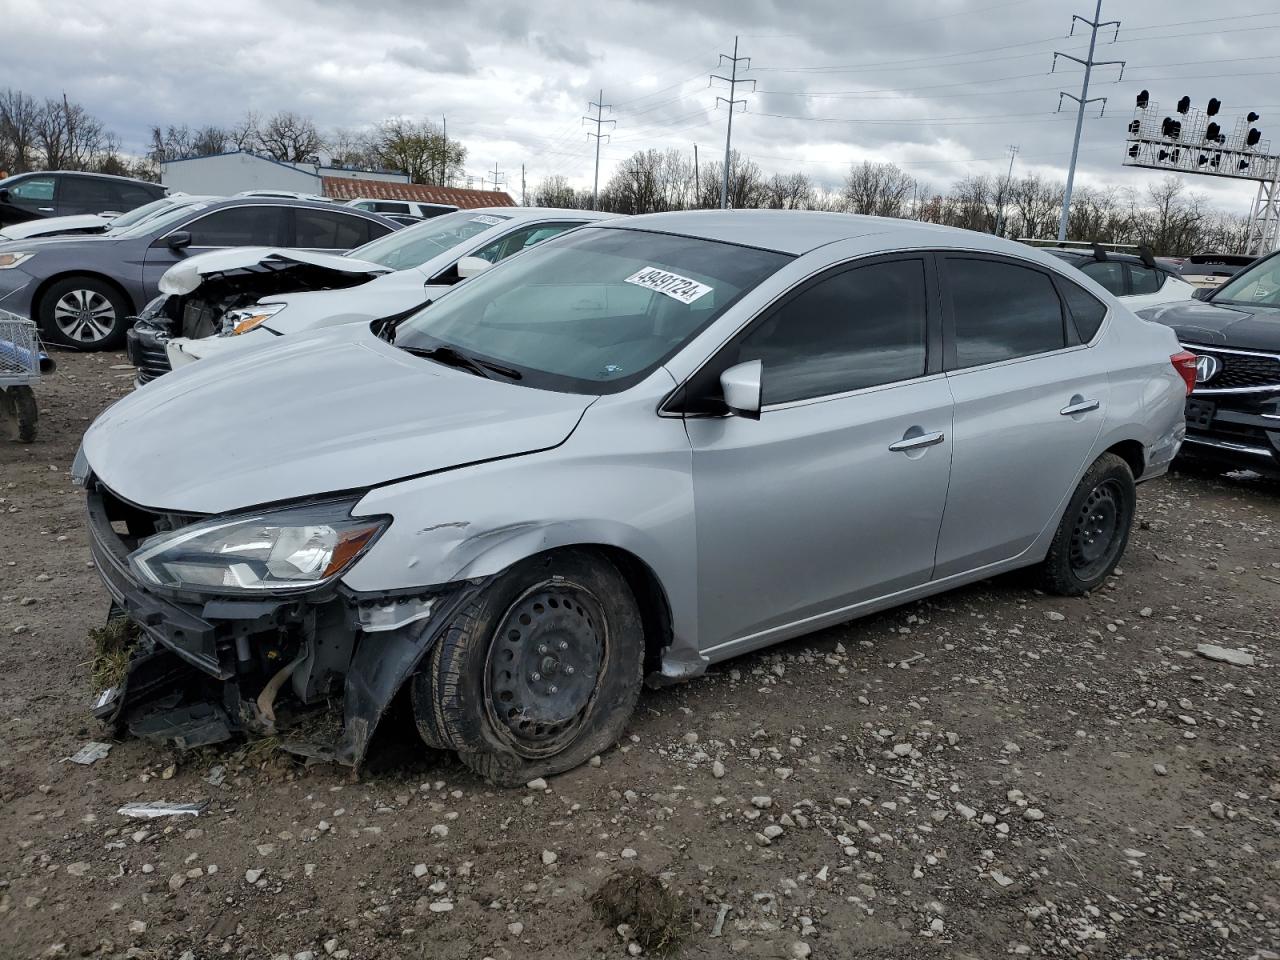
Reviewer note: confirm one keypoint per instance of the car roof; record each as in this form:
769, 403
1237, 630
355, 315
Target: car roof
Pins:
537, 213
800, 231
1076, 255
87, 173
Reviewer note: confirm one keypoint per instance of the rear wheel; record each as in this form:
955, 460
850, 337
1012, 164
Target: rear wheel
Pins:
19, 413
539, 673
1094, 529
83, 312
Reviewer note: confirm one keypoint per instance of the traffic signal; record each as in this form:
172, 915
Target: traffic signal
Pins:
1184, 104
1171, 128
1133, 150
1252, 138
1135, 126
1214, 106
1203, 159
1212, 132
1252, 117
1143, 99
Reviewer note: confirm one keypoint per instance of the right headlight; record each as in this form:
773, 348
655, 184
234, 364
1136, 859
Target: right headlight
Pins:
10, 260
275, 550
236, 322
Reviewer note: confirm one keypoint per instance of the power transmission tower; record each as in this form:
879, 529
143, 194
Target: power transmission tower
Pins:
1083, 100
733, 81
496, 176
1004, 194
599, 121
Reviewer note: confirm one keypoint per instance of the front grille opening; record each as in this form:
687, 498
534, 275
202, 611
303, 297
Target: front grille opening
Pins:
133, 524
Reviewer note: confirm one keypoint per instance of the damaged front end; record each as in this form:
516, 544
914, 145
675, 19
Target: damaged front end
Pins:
203, 668
215, 295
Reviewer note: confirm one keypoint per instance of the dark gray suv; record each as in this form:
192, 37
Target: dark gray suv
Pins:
81, 290
63, 193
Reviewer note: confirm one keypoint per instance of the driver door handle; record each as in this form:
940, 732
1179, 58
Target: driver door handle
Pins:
1080, 406
915, 443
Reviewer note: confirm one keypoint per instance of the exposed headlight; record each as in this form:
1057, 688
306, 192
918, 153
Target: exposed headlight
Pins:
10, 260
276, 550
236, 322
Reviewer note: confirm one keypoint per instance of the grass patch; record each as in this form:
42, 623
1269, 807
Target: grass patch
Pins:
657, 917
259, 751
112, 644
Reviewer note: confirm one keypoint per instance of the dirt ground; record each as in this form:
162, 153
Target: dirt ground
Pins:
993, 772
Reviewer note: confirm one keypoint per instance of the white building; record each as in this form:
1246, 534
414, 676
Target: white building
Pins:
224, 174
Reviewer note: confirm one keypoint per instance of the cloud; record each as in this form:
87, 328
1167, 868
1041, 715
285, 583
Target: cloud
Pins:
445, 58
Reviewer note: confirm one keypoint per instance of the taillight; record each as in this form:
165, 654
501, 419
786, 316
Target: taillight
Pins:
1185, 363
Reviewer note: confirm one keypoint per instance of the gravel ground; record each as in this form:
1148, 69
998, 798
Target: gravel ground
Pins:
993, 772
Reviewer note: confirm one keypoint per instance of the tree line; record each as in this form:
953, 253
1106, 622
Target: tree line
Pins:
1165, 215
58, 134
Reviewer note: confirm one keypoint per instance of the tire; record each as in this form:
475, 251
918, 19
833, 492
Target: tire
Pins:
19, 412
568, 627
1094, 530
83, 312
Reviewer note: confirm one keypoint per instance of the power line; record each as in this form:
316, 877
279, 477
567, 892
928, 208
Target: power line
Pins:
599, 121
1083, 100
733, 82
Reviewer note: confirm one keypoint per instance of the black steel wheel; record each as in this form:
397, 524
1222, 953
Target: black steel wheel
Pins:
19, 413
539, 673
1094, 530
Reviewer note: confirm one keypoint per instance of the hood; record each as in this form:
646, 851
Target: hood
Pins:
52, 226
37, 244
332, 411
184, 277
1207, 323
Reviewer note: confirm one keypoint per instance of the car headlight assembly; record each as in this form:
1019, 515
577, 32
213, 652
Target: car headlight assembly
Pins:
274, 551
10, 260
236, 322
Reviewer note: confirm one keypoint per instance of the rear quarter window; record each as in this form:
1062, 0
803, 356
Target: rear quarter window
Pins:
1086, 310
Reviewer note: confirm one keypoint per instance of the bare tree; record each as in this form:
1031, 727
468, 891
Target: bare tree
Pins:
244, 135
19, 116
68, 137
650, 181
290, 137
791, 191
351, 148
878, 189
419, 149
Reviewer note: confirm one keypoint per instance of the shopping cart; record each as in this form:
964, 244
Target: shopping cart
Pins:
22, 361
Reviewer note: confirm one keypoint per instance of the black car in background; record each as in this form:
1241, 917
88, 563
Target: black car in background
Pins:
63, 193
1233, 414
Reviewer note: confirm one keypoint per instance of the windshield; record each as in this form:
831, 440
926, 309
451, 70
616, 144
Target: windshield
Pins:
138, 214
160, 221
1257, 286
594, 311
414, 246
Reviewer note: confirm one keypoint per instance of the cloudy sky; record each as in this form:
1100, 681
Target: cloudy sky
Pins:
942, 87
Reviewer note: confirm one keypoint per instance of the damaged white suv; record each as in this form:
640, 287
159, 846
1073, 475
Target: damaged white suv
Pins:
635, 450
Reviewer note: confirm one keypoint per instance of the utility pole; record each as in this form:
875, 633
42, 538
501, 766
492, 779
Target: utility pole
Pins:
733, 82
523, 201
1083, 100
1004, 194
599, 121
496, 176
697, 188
444, 156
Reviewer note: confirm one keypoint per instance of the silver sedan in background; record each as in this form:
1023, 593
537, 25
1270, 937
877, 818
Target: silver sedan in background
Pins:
635, 450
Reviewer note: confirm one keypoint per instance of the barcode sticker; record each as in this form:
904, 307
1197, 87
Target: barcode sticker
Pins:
491, 221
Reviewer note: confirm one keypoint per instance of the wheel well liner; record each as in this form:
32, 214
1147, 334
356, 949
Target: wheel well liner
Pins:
1132, 453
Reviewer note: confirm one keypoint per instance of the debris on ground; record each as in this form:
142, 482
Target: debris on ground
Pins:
150, 811
90, 753
111, 644
657, 919
1211, 651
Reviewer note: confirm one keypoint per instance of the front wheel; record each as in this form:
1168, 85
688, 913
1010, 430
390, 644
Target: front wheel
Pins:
1094, 529
83, 312
18, 408
539, 673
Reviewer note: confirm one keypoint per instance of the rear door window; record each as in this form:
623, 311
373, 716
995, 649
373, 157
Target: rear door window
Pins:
1109, 274
1000, 311
517, 240
329, 230
1144, 279
246, 226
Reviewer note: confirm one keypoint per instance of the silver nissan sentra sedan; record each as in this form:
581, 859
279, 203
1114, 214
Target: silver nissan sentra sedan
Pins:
633, 451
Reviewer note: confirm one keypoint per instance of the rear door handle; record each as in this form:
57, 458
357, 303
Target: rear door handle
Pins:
45, 209
915, 443
1079, 406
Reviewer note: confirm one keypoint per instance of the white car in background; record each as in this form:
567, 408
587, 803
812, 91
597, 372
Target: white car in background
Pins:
402, 208
1137, 280
230, 300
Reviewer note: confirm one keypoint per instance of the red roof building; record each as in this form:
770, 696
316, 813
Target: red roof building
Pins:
352, 188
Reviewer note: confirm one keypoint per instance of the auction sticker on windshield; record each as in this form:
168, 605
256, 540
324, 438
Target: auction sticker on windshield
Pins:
672, 284
491, 221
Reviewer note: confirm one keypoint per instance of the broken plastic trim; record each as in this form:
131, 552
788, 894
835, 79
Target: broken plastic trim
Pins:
394, 614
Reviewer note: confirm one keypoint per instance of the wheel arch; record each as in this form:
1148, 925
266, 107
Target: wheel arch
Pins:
1131, 452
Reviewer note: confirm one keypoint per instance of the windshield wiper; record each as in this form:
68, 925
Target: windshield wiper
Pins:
453, 357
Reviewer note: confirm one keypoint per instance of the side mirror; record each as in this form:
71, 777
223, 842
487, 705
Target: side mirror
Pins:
472, 266
741, 386
178, 240
1201, 293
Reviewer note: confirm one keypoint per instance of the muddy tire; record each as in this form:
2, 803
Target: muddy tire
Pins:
83, 312
539, 673
1093, 531
19, 413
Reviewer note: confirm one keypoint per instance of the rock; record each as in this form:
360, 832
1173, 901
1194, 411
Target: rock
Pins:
967, 812
253, 876
331, 945
1211, 651
1145, 612
441, 906
137, 927
1012, 749
1188, 720
78, 869
1054, 615
717, 769
549, 857
1031, 813
902, 749
176, 881
440, 830
634, 949
515, 929
305, 955
537, 784
762, 803
420, 870
594, 761
773, 831
1218, 810
799, 950
628, 853
1161, 770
